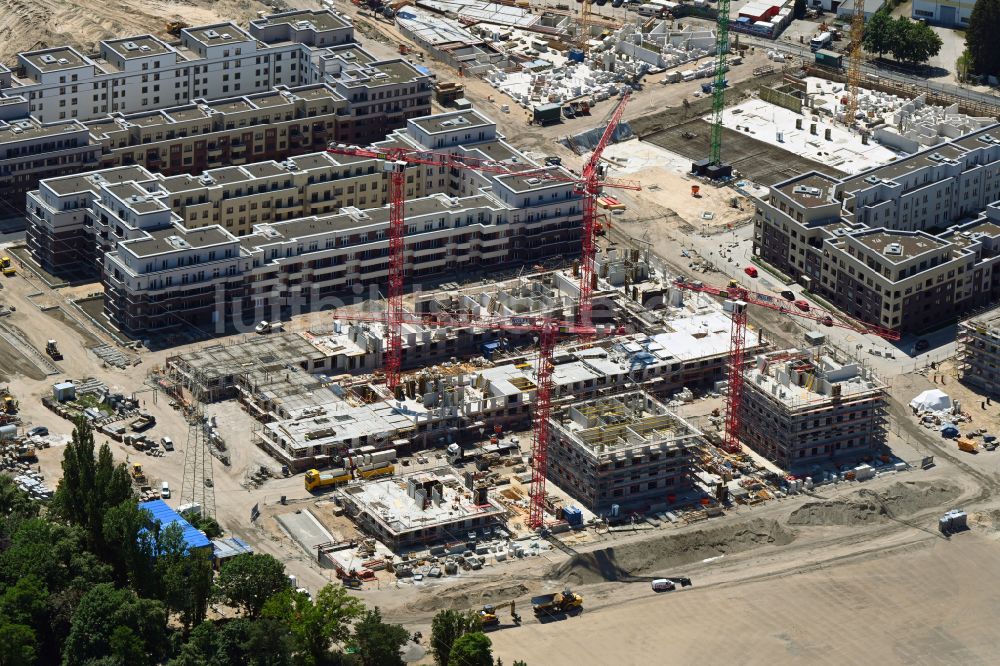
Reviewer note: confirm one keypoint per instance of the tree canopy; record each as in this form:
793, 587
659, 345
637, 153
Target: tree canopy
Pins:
906, 40
247, 581
984, 26
378, 643
472, 649
446, 628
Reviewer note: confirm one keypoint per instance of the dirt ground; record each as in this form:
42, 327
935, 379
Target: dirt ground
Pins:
35, 24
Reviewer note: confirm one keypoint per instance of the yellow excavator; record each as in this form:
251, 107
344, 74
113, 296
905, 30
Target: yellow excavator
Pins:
174, 27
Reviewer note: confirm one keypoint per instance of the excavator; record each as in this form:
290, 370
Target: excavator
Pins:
174, 27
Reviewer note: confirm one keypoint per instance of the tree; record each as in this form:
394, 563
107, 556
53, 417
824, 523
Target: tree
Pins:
379, 643
186, 585
315, 626
131, 545
963, 66
914, 42
247, 581
446, 628
984, 26
90, 486
239, 642
878, 33
474, 649
115, 623
799, 9
17, 645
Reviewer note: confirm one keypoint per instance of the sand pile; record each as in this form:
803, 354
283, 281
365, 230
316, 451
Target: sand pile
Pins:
866, 506
638, 561
469, 595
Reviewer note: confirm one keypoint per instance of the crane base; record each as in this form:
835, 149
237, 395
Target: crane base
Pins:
714, 171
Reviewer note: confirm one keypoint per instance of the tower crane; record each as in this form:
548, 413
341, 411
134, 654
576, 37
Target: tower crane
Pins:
854, 60
397, 159
739, 298
548, 331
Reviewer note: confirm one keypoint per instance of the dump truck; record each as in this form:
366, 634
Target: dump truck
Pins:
144, 422
560, 602
52, 349
315, 479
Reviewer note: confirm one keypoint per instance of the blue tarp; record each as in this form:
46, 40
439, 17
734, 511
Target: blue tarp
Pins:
193, 537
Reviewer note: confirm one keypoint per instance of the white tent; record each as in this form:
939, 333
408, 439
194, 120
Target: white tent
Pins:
932, 400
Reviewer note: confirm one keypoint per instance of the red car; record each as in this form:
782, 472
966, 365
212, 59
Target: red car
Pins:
751, 271
802, 305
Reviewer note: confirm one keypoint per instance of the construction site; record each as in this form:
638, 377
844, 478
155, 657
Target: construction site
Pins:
608, 294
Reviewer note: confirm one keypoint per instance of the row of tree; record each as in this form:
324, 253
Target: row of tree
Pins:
907, 41
91, 579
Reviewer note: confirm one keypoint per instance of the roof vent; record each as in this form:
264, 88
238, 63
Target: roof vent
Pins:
937, 157
178, 243
130, 46
873, 180
63, 61
226, 35
211, 34
144, 47
48, 59
894, 249
805, 189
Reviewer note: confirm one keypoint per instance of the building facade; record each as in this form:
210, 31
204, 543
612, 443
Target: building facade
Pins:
627, 450
979, 353
810, 409
947, 13
290, 85
893, 246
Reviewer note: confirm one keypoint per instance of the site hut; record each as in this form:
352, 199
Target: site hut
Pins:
627, 449
979, 352
422, 509
809, 409
893, 245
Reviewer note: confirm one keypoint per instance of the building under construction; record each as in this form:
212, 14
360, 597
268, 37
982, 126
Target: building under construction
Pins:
627, 449
421, 509
803, 409
979, 352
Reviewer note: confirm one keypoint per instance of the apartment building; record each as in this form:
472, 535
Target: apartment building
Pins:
143, 72
627, 449
282, 89
908, 246
979, 352
239, 197
808, 409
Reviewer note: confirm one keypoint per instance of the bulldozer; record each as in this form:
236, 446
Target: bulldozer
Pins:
138, 476
52, 349
8, 404
174, 27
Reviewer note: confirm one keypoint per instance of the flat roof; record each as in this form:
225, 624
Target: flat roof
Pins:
55, 59
796, 189
214, 35
187, 112
911, 244
142, 46
385, 73
173, 239
137, 198
533, 180
318, 20
450, 122
29, 128
64, 185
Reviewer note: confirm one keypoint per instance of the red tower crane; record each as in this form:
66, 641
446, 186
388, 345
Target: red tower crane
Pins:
397, 159
548, 331
739, 297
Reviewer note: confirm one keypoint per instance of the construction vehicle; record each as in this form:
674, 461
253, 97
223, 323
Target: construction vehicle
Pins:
7, 267
488, 616
7, 401
174, 27
560, 602
144, 422
52, 349
25, 451
316, 479
375, 470
138, 476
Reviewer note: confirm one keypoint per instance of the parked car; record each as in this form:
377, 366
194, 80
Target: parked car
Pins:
38, 431
802, 305
663, 585
922, 345
165, 490
751, 271
168, 444
788, 294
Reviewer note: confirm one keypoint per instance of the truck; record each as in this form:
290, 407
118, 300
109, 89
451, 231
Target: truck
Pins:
375, 470
144, 422
560, 602
315, 479
820, 41
52, 349
546, 114
7, 267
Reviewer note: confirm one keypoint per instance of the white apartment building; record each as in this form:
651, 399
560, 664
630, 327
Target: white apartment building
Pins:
144, 72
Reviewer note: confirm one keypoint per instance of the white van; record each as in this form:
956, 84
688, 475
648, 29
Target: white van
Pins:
165, 490
663, 585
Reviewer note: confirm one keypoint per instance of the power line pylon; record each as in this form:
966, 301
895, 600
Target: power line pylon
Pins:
198, 483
